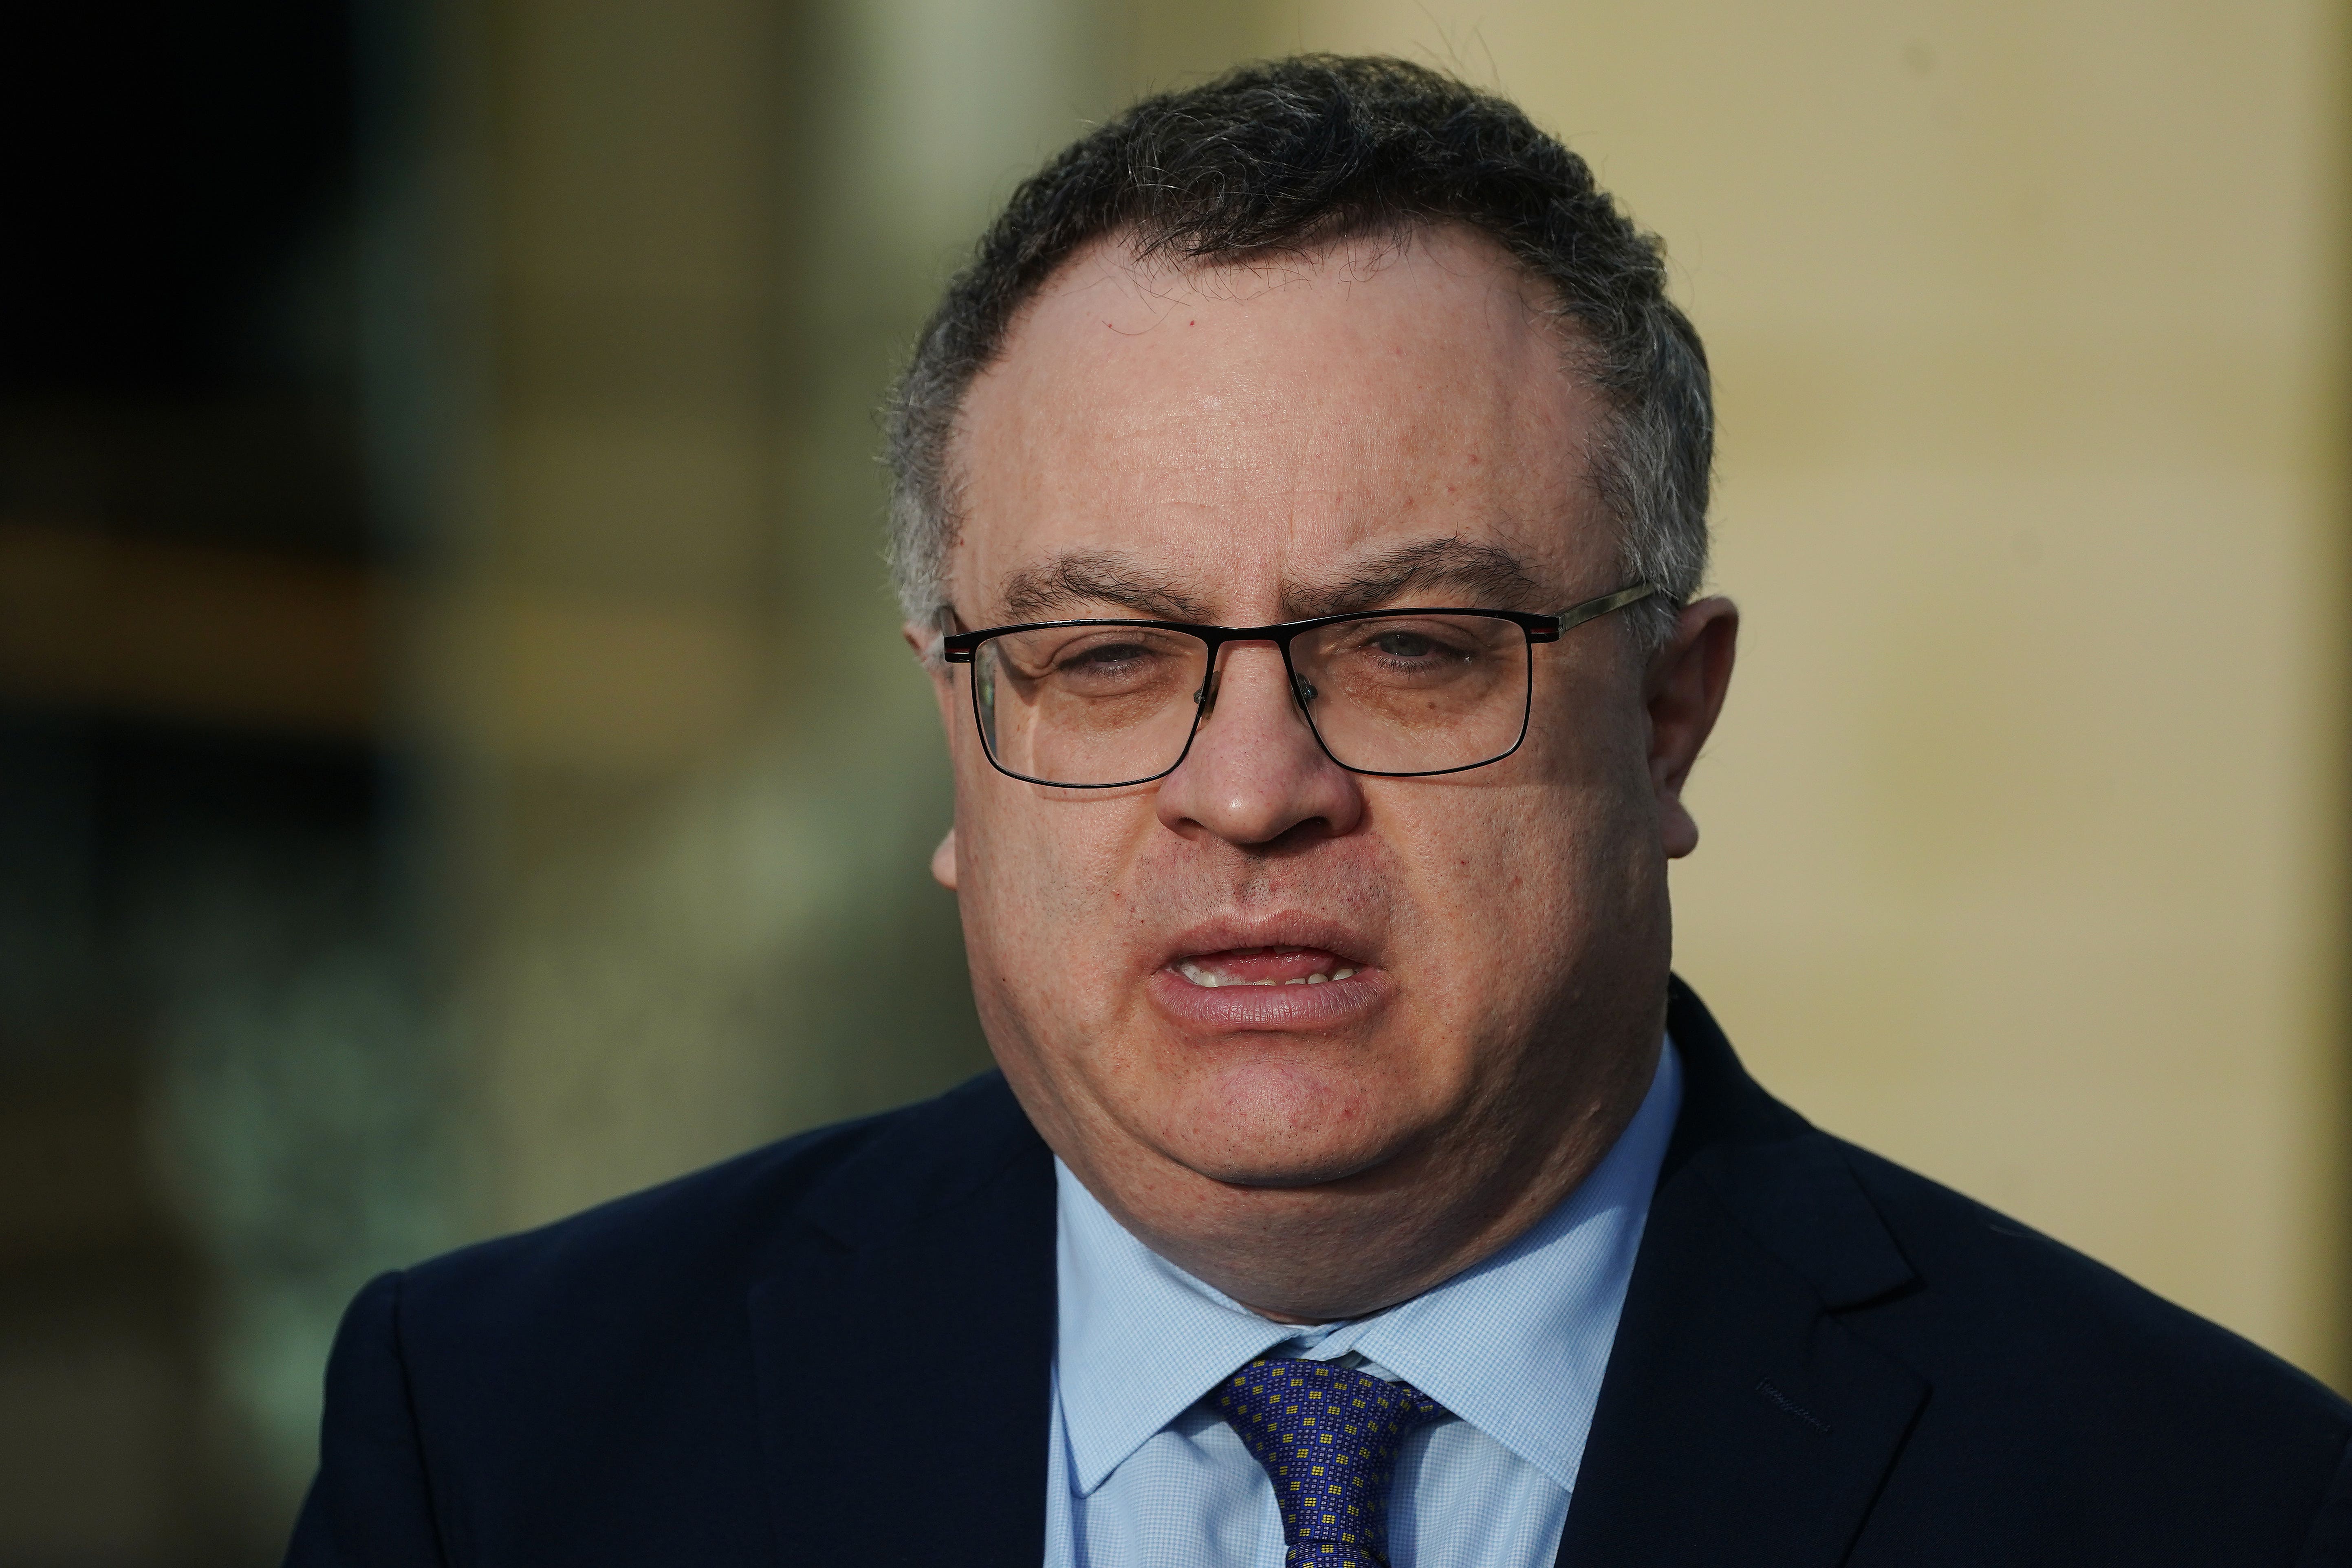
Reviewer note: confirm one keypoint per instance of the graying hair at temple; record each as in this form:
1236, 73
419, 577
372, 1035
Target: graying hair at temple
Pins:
1279, 160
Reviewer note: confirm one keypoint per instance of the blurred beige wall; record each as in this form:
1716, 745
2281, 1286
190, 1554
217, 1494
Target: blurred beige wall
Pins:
2024, 860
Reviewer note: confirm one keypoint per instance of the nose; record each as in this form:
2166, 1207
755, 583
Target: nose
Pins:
1255, 770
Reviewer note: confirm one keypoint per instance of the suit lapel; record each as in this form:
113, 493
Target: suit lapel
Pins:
1741, 1419
905, 1344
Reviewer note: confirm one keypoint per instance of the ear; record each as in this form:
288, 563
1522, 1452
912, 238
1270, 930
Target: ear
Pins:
925, 643
1683, 690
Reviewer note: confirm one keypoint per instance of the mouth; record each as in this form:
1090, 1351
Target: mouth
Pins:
1267, 967
1221, 982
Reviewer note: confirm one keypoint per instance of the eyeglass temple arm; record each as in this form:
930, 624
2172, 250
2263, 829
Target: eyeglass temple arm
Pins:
947, 624
1593, 609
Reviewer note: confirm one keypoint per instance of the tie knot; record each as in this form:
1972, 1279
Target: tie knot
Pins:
1327, 1437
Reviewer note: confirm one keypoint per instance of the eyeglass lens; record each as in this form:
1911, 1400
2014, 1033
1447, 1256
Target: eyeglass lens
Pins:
1089, 706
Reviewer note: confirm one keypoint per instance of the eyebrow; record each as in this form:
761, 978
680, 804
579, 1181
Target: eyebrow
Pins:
1484, 576
1046, 591
1480, 575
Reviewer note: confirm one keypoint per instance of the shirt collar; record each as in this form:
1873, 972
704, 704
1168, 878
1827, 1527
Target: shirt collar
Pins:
1516, 1345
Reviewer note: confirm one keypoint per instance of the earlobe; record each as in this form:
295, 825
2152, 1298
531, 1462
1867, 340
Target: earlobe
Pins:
1677, 829
943, 862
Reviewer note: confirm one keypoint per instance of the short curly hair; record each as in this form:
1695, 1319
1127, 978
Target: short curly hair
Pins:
1292, 155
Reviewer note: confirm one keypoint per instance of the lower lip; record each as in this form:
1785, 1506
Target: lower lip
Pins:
1225, 1009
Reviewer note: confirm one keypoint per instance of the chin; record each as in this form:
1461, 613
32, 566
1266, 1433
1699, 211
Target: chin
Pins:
1273, 1135
1277, 1168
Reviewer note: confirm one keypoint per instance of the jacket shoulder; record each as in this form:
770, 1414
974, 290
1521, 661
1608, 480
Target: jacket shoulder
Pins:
2094, 1409
713, 1233
1996, 1316
2097, 1411
2042, 1299
587, 1392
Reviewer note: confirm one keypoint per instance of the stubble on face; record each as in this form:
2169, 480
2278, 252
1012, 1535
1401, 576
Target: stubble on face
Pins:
1479, 960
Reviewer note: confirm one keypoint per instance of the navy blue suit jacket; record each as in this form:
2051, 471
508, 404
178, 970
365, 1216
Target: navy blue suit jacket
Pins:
835, 1351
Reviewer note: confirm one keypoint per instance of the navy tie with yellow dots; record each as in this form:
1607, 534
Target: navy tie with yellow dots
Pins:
1327, 1436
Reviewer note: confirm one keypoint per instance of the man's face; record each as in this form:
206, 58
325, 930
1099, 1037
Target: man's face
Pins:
1388, 424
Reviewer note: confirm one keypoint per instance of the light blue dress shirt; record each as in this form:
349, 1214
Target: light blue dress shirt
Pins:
1140, 1475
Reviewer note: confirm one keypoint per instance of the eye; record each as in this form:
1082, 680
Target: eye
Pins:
1105, 659
1397, 644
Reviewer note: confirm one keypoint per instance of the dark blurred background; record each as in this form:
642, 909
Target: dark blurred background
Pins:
458, 763
217, 1096
438, 625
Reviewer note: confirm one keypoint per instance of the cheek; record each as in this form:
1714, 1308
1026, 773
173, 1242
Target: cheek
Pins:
1504, 885
1492, 896
1045, 903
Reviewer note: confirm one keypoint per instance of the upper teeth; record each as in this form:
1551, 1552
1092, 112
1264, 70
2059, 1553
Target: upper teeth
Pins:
1200, 976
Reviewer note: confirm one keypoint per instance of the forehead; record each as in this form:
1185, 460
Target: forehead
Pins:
1251, 430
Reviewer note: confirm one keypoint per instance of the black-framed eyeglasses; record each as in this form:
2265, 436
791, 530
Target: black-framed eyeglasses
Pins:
1405, 693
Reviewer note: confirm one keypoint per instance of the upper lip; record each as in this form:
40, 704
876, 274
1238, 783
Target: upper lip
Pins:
1231, 933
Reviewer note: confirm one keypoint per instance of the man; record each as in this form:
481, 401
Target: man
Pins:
1300, 513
